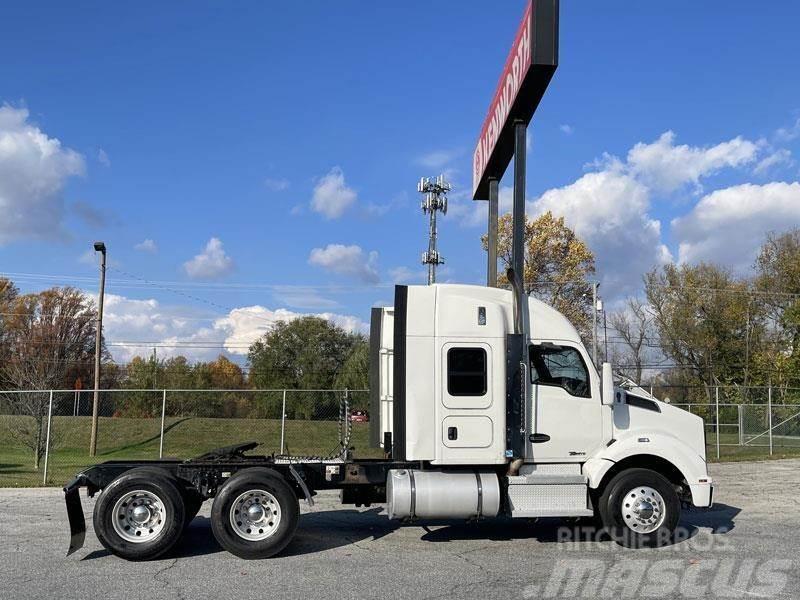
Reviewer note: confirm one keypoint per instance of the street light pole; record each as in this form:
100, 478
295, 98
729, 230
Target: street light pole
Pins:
98, 247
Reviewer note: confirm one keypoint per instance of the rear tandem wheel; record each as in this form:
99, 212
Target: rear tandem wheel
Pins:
255, 514
140, 515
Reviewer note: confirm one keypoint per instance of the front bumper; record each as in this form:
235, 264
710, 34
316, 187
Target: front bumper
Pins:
703, 494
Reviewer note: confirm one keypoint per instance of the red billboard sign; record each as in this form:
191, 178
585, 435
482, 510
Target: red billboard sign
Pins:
527, 71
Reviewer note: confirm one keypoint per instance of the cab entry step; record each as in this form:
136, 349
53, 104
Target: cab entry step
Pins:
549, 495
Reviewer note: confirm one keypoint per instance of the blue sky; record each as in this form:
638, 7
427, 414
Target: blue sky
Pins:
270, 153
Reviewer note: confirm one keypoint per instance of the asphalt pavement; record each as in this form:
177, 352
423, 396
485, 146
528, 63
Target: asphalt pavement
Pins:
746, 546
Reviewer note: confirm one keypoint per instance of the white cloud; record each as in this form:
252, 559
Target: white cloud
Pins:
133, 326
665, 167
211, 263
332, 197
609, 211
351, 261
567, 129
787, 134
401, 275
276, 184
610, 207
147, 245
102, 158
474, 213
34, 169
90, 257
245, 325
729, 225
298, 296
777, 158
437, 158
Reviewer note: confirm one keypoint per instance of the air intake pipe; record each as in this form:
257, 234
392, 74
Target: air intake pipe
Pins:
516, 367
518, 295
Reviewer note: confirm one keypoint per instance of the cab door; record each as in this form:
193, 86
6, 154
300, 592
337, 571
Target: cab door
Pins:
469, 419
568, 413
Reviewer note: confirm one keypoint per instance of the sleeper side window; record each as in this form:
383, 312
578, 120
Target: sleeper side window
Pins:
466, 371
559, 366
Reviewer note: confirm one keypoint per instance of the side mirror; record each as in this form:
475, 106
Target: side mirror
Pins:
607, 383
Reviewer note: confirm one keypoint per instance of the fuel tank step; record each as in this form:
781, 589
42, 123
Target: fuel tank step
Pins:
549, 495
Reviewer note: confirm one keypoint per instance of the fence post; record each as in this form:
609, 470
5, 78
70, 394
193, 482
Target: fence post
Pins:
283, 420
741, 425
163, 413
47, 439
769, 410
716, 400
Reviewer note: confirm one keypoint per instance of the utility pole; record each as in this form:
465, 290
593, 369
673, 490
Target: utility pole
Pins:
101, 248
435, 191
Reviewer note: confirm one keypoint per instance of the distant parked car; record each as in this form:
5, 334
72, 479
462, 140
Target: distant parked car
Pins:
359, 416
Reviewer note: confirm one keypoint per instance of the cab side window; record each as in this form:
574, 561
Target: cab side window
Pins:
559, 366
466, 371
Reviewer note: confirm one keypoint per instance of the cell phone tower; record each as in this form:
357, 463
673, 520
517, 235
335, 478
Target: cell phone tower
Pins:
435, 191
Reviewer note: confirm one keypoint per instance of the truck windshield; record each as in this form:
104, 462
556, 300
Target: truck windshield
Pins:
559, 366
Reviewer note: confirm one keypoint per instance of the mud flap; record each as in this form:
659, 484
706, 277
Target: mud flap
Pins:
77, 524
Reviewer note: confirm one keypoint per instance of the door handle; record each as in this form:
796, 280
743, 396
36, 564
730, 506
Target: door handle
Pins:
538, 438
452, 433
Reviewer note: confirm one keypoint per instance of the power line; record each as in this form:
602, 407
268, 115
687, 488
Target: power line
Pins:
186, 285
174, 286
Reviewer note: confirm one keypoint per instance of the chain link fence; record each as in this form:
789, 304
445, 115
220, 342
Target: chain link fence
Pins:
45, 435
742, 422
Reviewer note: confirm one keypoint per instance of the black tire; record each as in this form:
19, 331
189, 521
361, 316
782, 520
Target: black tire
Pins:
150, 480
286, 505
192, 501
622, 528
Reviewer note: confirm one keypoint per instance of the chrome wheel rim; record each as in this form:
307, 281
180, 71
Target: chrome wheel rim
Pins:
255, 515
139, 516
643, 509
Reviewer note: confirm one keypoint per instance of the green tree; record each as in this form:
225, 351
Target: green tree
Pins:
49, 340
558, 265
302, 354
354, 374
633, 325
778, 283
707, 323
142, 374
227, 375
8, 296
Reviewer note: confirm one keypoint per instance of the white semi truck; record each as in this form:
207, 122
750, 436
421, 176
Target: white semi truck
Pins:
486, 404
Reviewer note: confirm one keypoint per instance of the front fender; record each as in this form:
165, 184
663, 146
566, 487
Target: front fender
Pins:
665, 446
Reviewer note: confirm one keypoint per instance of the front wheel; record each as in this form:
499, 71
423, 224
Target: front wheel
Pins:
255, 514
640, 508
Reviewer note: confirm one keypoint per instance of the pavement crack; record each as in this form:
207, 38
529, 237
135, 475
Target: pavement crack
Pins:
168, 585
477, 565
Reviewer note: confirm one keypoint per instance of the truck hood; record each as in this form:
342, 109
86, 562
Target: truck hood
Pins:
637, 415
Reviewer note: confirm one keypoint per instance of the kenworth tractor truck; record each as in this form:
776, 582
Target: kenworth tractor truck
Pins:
486, 404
